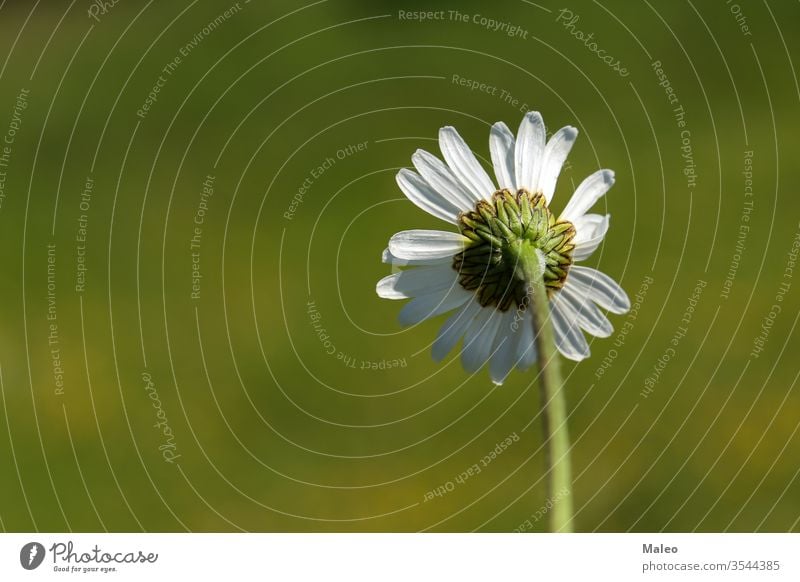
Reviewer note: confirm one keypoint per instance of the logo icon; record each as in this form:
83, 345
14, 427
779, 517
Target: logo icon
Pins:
31, 555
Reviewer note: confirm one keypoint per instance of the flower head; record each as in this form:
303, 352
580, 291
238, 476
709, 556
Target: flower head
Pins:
475, 272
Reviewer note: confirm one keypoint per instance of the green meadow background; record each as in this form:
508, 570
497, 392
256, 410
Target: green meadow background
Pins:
280, 393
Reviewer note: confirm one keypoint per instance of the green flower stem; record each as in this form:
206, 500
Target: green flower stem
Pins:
553, 401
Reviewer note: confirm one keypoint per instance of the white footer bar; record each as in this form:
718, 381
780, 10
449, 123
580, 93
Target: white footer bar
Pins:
400, 557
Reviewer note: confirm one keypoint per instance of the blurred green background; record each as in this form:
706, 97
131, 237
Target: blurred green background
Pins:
271, 426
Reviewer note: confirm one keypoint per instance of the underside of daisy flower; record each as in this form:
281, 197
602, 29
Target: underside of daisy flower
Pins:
498, 231
503, 227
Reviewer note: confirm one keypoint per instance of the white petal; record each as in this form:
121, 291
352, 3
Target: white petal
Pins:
526, 346
586, 225
504, 356
501, 146
555, 153
426, 244
388, 258
420, 193
529, 151
463, 163
589, 192
569, 338
443, 180
430, 305
598, 287
589, 316
416, 281
453, 329
589, 235
479, 339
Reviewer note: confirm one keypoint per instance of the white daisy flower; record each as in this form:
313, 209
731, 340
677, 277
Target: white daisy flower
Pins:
474, 272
